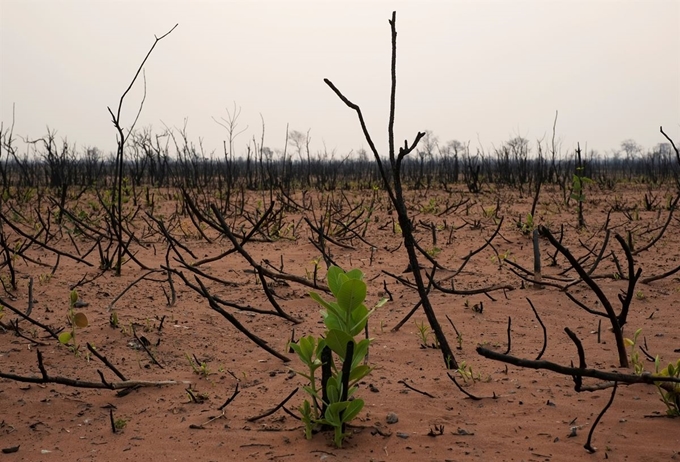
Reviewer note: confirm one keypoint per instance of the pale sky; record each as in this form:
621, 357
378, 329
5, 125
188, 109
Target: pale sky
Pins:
476, 71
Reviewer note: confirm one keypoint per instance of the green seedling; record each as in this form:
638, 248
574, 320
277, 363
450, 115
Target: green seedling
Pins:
76, 320
120, 424
199, 367
640, 295
635, 360
422, 332
330, 404
317, 263
424, 335
501, 257
489, 212
430, 207
466, 373
577, 185
527, 227
44, 278
434, 251
396, 229
113, 320
669, 391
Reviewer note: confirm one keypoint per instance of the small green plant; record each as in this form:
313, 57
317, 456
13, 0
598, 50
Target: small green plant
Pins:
640, 295
120, 423
466, 373
528, 226
424, 333
501, 257
638, 365
577, 185
670, 392
199, 367
577, 191
44, 278
316, 262
434, 251
396, 228
75, 320
113, 320
430, 207
330, 404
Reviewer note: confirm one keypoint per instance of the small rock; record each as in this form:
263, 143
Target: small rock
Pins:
572, 432
392, 418
402, 435
464, 432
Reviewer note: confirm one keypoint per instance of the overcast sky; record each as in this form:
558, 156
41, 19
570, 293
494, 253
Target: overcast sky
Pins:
474, 71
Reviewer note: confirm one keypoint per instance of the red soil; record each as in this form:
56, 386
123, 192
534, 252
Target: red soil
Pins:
531, 419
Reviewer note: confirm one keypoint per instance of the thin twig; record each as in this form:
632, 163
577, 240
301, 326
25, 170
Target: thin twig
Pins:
588, 446
274, 409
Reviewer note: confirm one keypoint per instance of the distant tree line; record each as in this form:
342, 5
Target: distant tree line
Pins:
171, 159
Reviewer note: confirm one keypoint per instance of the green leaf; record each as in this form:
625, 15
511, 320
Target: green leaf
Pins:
380, 303
307, 348
360, 351
332, 308
637, 334
307, 419
334, 322
310, 392
334, 389
319, 347
355, 274
359, 318
65, 337
316, 297
296, 348
337, 341
73, 297
359, 372
332, 414
332, 278
353, 408
351, 295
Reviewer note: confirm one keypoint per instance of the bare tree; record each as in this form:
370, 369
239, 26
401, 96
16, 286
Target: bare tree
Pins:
300, 141
425, 153
394, 188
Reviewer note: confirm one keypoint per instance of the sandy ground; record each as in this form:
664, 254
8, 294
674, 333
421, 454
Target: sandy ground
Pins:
535, 416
